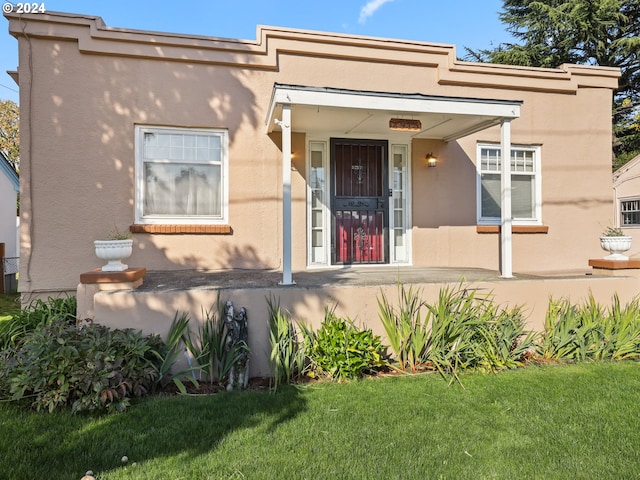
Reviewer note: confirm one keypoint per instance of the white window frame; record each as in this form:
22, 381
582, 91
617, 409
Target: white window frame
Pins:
323, 258
537, 187
405, 250
140, 218
621, 212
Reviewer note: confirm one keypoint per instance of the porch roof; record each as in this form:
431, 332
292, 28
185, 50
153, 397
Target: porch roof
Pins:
325, 109
368, 113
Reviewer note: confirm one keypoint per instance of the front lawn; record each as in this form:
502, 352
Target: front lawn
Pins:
9, 304
577, 421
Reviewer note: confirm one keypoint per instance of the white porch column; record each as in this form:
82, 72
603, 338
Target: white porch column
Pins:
285, 124
505, 191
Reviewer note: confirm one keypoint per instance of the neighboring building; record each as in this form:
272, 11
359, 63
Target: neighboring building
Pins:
9, 188
302, 150
626, 194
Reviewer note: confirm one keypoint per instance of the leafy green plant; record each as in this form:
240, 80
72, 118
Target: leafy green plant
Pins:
504, 341
591, 332
116, 234
168, 357
209, 346
454, 318
406, 330
625, 323
287, 356
340, 350
613, 232
95, 368
460, 330
560, 324
38, 312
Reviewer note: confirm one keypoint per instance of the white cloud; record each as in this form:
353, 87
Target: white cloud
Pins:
370, 8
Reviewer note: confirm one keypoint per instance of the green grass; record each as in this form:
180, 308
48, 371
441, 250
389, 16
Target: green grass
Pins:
9, 304
579, 421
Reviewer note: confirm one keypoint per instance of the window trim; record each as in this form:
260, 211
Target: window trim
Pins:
406, 210
140, 219
537, 187
620, 213
323, 146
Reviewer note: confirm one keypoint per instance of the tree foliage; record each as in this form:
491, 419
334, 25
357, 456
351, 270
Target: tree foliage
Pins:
9, 132
589, 32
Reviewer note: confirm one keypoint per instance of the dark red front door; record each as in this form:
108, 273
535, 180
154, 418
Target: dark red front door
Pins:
359, 201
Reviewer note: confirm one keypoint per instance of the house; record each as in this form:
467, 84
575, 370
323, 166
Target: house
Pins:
626, 205
9, 188
302, 153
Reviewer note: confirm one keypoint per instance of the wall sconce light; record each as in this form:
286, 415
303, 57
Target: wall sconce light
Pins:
431, 160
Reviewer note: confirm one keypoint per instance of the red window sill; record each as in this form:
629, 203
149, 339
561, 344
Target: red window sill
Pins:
514, 229
172, 229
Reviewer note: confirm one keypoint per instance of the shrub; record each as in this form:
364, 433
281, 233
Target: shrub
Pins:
505, 342
407, 332
208, 346
38, 312
461, 330
455, 320
287, 356
591, 332
95, 368
340, 350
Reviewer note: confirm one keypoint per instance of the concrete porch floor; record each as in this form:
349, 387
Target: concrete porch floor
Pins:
177, 280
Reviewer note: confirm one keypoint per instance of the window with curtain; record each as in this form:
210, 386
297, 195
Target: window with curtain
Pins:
525, 184
180, 175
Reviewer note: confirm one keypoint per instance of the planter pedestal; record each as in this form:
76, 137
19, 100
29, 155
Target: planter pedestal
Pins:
615, 268
97, 281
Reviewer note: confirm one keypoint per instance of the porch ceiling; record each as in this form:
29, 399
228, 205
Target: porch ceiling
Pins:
350, 112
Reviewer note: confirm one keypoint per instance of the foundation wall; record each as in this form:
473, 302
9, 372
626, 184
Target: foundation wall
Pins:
152, 312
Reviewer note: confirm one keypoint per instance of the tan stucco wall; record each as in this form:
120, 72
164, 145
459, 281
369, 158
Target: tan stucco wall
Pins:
92, 86
576, 188
626, 186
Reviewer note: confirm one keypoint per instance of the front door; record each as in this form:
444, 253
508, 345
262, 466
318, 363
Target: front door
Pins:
359, 201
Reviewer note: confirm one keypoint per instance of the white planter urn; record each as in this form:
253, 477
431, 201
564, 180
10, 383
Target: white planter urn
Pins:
616, 246
114, 251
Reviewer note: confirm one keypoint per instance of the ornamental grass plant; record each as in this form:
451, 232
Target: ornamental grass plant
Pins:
589, 331
462, 329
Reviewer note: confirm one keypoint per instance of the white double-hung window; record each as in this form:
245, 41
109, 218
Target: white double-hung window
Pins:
525, 184
181, 175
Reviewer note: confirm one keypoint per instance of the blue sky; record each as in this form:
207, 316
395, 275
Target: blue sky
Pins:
470, 23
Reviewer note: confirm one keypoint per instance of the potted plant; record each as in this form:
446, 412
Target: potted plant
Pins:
118, 247
614, 241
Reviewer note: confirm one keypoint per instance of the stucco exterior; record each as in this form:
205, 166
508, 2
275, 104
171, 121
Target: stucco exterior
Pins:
84, 88
626, 187
9, 187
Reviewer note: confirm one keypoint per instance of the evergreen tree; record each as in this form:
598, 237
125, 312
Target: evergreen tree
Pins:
589, 32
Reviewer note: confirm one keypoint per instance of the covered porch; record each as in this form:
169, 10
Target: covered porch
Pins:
339, 120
